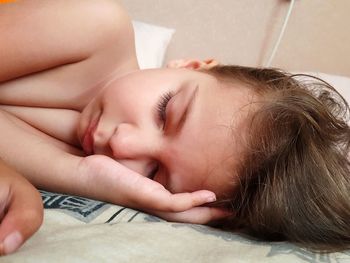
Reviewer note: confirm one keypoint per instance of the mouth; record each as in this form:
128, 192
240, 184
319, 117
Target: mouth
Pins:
87, 142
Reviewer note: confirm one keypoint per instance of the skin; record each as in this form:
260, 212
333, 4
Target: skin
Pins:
189, 147
53, 90
21, 209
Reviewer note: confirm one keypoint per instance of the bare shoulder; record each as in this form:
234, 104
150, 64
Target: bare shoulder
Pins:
70, 47
58, 32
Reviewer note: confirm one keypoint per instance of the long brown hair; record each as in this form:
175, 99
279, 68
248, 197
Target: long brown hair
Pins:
294, 179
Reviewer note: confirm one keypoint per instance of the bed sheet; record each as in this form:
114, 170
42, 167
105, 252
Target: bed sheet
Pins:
77, 229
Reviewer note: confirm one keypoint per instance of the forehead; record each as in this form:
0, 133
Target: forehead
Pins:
163, 75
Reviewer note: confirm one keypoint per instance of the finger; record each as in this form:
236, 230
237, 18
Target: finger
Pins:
23, 218
148, 194
163, 200
141, 192
196, 215
118, 184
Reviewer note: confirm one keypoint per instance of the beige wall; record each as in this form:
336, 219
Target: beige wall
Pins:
243, 31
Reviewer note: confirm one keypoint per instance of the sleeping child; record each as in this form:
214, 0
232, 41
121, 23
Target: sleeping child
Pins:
255, 150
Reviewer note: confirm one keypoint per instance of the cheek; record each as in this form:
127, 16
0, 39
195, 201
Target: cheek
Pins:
120, 104
188, 177
184, 183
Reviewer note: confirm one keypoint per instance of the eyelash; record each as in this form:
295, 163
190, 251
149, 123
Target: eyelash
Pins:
161, 111
162, 104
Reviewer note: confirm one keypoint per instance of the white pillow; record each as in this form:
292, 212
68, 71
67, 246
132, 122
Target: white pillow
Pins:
151, 44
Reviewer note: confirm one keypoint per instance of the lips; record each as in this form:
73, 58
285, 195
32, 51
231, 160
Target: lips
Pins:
88, 139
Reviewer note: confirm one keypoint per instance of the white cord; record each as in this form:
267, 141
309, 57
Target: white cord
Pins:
272, 56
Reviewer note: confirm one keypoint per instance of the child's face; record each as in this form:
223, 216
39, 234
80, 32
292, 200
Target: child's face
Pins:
190, 146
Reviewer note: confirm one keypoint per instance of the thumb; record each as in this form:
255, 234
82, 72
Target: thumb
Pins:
22, 218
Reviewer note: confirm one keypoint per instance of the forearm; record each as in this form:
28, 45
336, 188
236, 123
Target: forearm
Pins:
44, 164
51, 165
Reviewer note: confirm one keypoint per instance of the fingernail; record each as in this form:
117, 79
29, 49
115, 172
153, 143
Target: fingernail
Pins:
12, 242
211, 198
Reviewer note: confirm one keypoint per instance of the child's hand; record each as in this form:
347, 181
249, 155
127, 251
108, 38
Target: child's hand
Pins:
21, 210
110, 181
196, 215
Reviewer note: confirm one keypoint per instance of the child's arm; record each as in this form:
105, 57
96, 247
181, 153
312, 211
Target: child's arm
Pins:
21, 209
39, 35
49, 166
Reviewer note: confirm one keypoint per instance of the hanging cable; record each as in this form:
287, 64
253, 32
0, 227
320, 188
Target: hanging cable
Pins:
275, 48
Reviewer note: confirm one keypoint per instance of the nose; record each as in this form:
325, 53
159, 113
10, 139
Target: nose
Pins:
134, 147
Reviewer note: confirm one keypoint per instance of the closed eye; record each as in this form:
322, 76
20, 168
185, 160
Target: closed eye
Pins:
161, 106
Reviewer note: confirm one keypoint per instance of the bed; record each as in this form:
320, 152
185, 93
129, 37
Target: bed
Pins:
77, 229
